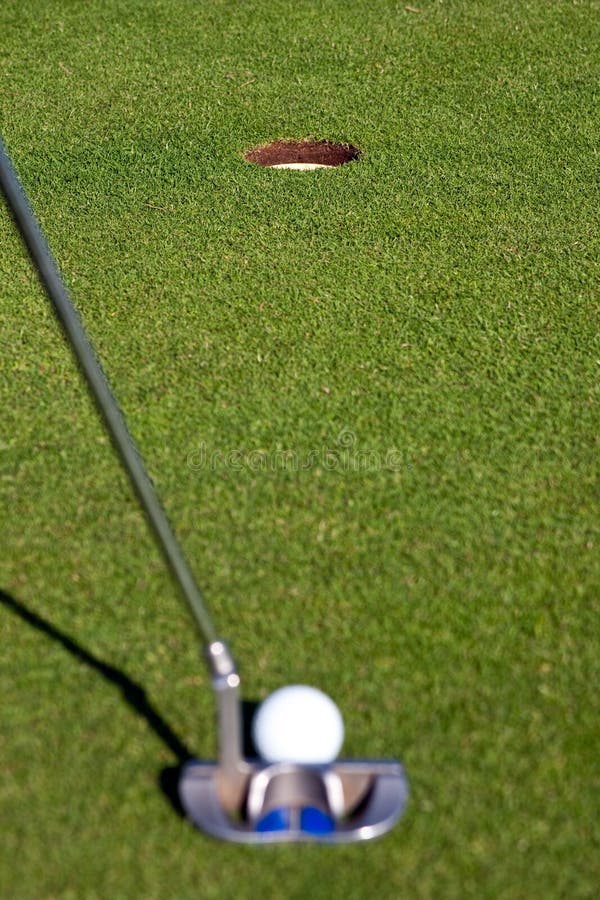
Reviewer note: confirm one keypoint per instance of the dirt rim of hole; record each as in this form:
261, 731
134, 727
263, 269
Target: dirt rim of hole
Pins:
302, 155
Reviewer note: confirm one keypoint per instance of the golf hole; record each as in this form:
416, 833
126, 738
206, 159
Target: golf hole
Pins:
302, 156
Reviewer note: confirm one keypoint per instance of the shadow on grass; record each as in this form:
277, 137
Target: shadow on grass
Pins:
133, 694
135, 697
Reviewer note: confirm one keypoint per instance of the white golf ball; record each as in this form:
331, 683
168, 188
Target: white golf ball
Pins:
298, 724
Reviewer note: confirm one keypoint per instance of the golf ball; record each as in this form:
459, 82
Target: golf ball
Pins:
298, 724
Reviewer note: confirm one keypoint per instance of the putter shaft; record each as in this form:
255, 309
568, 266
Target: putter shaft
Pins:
57, 292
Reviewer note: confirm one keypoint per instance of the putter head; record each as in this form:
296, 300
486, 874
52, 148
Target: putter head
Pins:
252, 802
344, 802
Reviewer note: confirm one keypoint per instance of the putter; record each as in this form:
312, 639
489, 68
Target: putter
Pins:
235, 799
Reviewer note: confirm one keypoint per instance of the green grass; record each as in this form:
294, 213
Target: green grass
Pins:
439, 299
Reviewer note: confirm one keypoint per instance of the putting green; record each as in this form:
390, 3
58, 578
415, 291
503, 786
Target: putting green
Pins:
369, 398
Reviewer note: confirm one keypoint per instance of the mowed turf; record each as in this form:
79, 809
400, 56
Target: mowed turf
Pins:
369, 398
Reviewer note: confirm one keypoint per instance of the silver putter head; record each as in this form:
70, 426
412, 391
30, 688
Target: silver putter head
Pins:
337, 804
256, 803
